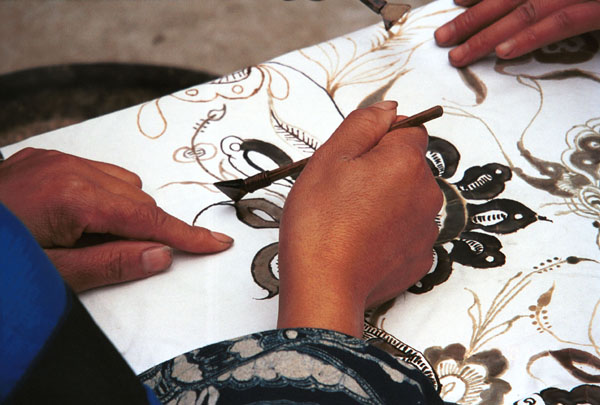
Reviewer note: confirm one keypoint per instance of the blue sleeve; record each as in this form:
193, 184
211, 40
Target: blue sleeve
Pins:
51, 351
32, 300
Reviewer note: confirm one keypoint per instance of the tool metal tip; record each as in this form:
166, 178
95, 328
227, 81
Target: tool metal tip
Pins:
391, 13
233, 189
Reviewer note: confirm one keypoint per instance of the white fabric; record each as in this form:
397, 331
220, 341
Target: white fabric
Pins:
491, 312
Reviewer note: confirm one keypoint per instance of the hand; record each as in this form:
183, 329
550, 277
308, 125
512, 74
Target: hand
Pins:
67, 202
515, 27
358, 226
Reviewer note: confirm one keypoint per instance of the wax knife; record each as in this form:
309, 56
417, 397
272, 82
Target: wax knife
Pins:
390, 12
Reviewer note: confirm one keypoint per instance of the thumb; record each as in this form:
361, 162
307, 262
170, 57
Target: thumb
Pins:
110, 263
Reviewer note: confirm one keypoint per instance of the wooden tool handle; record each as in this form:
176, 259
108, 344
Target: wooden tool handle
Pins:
420, 118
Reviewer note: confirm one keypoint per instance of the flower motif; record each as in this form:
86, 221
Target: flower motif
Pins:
467, 229
467, 379
467, 226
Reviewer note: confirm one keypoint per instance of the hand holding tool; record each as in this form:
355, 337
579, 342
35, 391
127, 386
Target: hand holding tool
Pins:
238, 188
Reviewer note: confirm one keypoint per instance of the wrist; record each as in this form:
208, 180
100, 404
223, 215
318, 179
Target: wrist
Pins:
322, 307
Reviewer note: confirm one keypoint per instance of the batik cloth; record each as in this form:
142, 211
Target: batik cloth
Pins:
511, 309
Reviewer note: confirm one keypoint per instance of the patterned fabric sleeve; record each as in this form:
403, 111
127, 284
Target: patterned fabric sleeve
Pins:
290, 366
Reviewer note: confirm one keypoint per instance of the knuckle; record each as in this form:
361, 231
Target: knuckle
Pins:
25, 152
365, 116
526, 13
467, 21
530, 35
562, 20
73, 188
149, 214
413, 160
116, 262
135, 179
481, 41
512, 4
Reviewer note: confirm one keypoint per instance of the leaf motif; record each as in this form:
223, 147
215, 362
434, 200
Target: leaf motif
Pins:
474, 83
263, 271
295, 136
545, 298
216, 114
573, 360
379, 94
258, 213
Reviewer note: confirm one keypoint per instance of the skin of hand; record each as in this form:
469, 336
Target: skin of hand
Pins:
94, 221
515, 27
358, 226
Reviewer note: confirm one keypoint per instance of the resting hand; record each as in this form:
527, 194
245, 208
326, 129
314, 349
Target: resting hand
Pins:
69, 202
515, 27
358, 225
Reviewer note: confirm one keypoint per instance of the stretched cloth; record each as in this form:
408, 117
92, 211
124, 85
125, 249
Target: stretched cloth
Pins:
510, 311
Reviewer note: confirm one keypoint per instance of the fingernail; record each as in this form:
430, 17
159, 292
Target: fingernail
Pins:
221, 237
386, 105
458, 54
445, 34
505, 48
156, 259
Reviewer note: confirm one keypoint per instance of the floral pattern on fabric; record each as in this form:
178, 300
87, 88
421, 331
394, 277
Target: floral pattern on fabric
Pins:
526, 130
289, 366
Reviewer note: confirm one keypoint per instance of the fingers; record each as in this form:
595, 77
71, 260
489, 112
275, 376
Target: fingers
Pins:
565, 23
473, 20
360, 131
130, 219
110, 263
466, 3
414, 136
515, 27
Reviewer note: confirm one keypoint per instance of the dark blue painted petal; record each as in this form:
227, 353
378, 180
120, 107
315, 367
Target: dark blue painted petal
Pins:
477, 250
440, 273
484, 183
442, 157
500, 216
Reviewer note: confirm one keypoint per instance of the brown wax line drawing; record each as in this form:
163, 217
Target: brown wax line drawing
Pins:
238, 188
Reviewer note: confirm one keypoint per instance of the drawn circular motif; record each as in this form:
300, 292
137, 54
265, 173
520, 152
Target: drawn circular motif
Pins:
202, 151
569, 51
